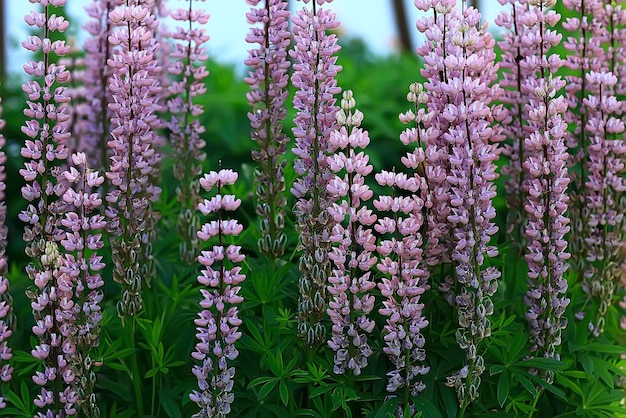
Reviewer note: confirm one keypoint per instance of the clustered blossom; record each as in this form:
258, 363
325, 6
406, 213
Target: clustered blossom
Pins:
45, 149
585, 53
353, 243
604, 185
94, 126
135, 161
463, 92
402, 260
597, 148
188, 56
546, 167
6, 314
81, 278
268, 80
314, 74
514, 126
218, 322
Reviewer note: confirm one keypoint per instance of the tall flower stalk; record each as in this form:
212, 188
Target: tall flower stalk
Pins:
353, 244
45, 149
134, 159
585, 54
188, 57
6, 314
81, 266
595, 112
546, 203
268, 80
218, 322
604, 186
463, 92
514, 126
96, 114
402, 258
314, 74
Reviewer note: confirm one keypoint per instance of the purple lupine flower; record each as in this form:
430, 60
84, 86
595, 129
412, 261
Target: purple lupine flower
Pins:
514, 127
603, 188
585, 53
218, 322
134, 159
94, 127
461, 71
314, 74
546, 169
6, 314
188, 55
597, 149
437, 30
45, 150
80, 270
268, 81
402, 260
352, 240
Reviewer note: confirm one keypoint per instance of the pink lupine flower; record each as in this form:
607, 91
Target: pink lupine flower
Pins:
80, 272
188, 56
595, 113
134, 160
45, 150
6, 314
352, 240
218, 322
268, 79
96, 117
461, 73
585, 53
546, 203
314, 74
605, 183
514, 126
402, 262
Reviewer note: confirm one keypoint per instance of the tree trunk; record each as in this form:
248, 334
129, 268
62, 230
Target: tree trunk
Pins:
401, 24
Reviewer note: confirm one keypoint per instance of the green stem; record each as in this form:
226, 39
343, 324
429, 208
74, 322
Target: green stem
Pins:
534, 404
135, 377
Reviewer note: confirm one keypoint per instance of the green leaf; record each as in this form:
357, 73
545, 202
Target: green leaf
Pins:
503, 388
267, 388
427, 408
541, 363
283, 392
603, 348
568, 383
587, 363
167, 401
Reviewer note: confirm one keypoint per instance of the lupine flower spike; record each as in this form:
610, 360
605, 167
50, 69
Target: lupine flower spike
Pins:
463, 113
134, 160
218, 322
83, 224
353, 243
45, 149
6, 314
597, 200
188, 56
546, 169
314, 74
585, 54
95, 125
514, 126
402, 261
268, 81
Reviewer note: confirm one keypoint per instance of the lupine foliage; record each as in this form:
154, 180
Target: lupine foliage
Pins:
462, 258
